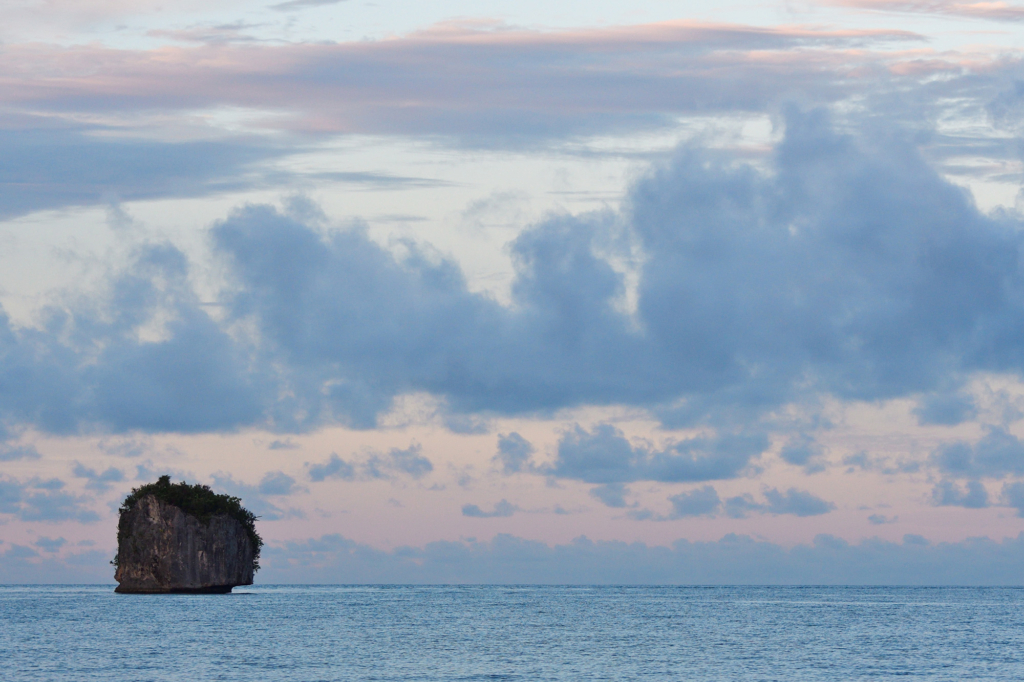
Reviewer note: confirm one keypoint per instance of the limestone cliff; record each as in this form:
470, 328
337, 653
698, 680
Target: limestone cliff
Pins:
162, 548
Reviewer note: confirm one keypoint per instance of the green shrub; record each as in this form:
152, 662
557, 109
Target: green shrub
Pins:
195, 500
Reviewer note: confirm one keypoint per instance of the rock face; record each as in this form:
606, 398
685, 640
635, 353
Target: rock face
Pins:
165, 550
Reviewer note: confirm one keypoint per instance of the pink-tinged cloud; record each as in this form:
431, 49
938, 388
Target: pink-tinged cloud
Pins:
457, 78
994, 11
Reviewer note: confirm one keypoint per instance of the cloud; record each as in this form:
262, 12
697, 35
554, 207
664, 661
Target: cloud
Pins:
278, 483
793, 501
733, 560
410, 461
99, 481
82, 120
131, 447
857, 231
697, 502
997, 454
991, 11
705, 501
11, 453
24, 565
948, 409
611, 494
948, 493
513, 84
209, 34
37, 500
20, 552
880, 519
740, 506
845, 267
804, 451
285, 444
49, 484
796, 502
43, 167
303, 4
90, 366
49, 544
466, 424
334, 467
852, 242
48, 168
254, 498
407, 461
195, 380
501, 510
1013, 496
861, 460
605, 456
370, 327
514, 453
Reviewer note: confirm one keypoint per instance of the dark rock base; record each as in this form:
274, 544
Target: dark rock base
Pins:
213, 589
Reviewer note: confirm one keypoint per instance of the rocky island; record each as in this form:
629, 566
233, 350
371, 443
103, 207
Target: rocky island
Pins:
184, 539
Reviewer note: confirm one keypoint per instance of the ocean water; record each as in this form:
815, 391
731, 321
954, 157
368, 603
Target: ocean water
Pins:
309, 633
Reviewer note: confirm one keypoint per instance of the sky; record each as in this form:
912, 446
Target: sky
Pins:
532, 292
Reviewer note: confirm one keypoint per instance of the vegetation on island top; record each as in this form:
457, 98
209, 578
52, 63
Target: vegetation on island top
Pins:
195, 500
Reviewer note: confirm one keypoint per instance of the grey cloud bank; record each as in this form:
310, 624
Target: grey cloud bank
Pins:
732, 560
54, 168
46, 168
851, 269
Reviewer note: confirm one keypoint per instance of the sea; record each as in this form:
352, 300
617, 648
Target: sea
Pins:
287, 632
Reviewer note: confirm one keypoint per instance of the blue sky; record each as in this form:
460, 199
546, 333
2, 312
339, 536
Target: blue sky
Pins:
670, 290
